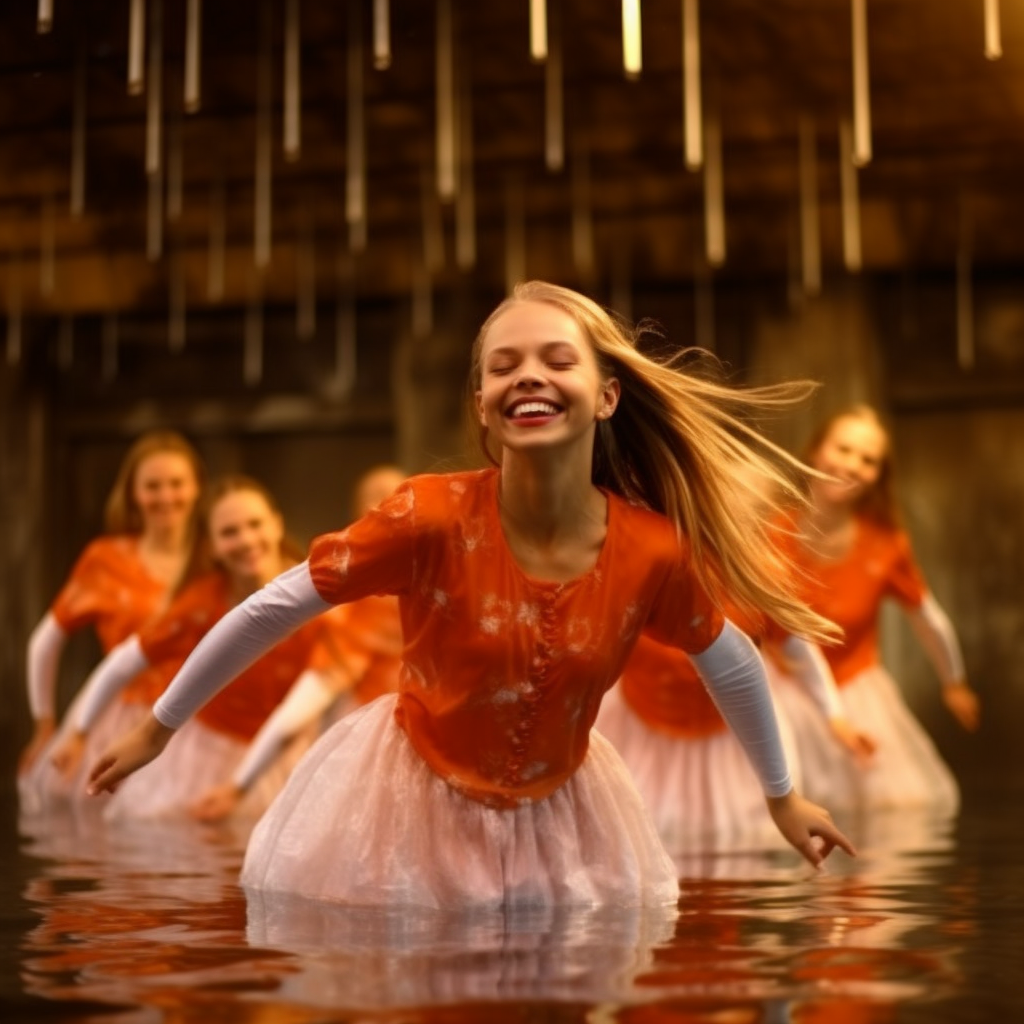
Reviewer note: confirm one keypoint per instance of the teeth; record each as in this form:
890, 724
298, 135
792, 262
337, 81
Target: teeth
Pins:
529, 408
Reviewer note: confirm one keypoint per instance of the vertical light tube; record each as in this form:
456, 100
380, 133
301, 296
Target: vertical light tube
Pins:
154, 99
155, 217
345, 329
381, 35
77, 189
217, 239
445, 102
850, 198
264, 148
176, 302
714, 197
554, 96
965, 290
515, 233
136, 47
175, 170
252, 353
465, 197
810, 225
632, 44
66, 343
47, 247
538, 30
355, 172
861, 88
44, 17
431, 223
693, 131
993, 31
110, 341
305, 305
582, 214
193, 51
292, 81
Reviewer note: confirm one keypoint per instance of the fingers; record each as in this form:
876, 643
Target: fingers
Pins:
104, 776
832, 838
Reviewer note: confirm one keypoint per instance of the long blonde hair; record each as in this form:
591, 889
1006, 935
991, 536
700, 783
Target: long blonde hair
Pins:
689, 448
879, 502
121, 513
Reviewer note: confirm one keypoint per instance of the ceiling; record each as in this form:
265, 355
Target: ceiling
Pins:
945, 179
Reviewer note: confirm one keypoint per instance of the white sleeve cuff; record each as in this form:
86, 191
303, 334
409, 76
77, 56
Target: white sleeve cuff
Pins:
42, 659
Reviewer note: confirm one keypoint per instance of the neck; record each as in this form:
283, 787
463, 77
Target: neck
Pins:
165, 540
826, 518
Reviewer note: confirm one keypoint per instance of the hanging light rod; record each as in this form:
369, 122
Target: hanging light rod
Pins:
193, 44
136, 47
632, 59
381, 35
44, 17
538, 30
993, 31
861, 91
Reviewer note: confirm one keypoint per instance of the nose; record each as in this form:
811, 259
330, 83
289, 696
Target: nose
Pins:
528, 378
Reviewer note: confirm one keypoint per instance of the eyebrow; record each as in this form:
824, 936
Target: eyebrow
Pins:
546, 346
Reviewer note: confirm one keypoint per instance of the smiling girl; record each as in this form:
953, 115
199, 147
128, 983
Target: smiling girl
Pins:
522, 590
854, 555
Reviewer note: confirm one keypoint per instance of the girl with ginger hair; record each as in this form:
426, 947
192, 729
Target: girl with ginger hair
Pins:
122, 579
522, 590
853, 554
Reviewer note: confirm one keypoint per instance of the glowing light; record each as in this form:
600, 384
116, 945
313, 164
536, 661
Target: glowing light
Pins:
993, 31
632, 43
538, 30
136, 46
292, 82
381, 35
193, 45
693, 130
850, 197
714, 197
861, 89
445, 102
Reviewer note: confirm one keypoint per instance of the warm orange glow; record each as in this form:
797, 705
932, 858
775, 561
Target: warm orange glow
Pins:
632, 43
693, 131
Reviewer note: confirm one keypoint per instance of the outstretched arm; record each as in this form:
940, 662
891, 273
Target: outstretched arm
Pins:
938, 638
240, 638
43, 657
734, 675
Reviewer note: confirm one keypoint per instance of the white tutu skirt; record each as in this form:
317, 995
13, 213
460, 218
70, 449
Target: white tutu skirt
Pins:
196, 759
906, 769
702, 793
43, 790
364, 821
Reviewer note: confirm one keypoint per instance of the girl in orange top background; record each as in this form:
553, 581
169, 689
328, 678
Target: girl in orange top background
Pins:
522, 591
122, 580
249, 547
854, 555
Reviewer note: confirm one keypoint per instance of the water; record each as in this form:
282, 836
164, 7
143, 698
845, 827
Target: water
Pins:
147, 924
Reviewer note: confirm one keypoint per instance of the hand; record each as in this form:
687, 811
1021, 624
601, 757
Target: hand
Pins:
216, 803
802, 822
40, 737
68, 755
127, 754
964, 703
860, 745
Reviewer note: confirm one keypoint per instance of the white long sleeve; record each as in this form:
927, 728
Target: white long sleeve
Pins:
810, 669
938, 638
310, 696
43, 657
240, 638
107, 680
734, 675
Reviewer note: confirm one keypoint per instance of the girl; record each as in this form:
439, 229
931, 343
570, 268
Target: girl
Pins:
121, 580
853, 554
249, 548
522, 590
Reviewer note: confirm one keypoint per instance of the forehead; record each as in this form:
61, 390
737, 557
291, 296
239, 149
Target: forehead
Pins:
858, 432
238, 505
532, 323
163, 464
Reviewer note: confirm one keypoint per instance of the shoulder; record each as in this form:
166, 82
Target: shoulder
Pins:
883, 537
206, 591
646, 531
440, 498
110, 549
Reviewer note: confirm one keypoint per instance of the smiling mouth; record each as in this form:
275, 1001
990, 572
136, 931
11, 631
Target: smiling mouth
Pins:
533, 409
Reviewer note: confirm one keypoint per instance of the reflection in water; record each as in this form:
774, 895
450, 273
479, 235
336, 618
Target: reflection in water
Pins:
148, 924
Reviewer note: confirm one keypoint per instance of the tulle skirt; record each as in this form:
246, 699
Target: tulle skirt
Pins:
702, 793
905, 771
196, 759
363, 820
42, 789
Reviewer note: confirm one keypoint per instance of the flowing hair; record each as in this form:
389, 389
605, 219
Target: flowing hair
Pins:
121, 513
202, 560
690, 448
878, 503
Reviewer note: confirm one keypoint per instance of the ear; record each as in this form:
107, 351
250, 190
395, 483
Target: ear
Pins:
479, 397
608, 400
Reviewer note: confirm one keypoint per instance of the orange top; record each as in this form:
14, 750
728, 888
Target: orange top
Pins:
110, 589
666, 692
364, 639
503, 673
850, 590
244, 705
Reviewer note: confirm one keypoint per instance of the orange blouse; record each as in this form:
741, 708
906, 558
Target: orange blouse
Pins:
364, 639
850, 591
503, 673
244, 705
110, 589
666, 692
